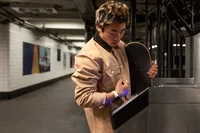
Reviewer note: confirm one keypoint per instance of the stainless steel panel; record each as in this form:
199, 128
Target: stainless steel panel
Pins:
174, 95
138, 124
180, 85
159, 81
194, 118
196, 62
168, 118
188, 60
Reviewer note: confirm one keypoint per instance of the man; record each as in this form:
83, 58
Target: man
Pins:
102, 72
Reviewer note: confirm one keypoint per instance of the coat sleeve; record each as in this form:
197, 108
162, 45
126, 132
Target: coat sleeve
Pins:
86, 77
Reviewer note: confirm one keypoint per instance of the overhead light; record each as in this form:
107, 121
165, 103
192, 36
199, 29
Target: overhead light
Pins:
49, 11
73, 37
154, 46
184, 45
35, 11
21, 10
60, 25
79, 44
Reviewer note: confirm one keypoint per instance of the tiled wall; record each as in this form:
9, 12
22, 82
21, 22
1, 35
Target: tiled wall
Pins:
14, 44
4, 58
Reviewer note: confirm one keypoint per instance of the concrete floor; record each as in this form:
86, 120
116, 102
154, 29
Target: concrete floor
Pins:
51, 109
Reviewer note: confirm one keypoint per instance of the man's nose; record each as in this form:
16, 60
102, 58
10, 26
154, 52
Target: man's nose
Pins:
117, 37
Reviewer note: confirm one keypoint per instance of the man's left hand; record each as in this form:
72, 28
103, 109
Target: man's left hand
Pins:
153, 70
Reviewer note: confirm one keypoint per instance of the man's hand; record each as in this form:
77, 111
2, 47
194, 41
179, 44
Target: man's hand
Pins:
122, 88
153, 70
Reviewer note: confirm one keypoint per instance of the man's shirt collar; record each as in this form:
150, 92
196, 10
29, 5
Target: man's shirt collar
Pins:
102, 43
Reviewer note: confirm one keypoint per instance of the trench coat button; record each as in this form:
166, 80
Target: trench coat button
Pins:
112, 71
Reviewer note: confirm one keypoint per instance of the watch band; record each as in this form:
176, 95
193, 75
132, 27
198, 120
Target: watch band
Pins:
116, 94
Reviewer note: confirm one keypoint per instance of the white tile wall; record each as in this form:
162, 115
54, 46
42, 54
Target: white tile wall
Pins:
4, 58
12, 58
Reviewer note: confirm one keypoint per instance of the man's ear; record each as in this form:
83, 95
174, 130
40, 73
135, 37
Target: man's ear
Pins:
98, 28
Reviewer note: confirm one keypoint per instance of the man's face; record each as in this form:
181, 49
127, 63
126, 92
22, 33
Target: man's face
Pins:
113, 33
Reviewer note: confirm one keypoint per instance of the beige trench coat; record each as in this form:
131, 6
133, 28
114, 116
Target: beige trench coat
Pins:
97, 73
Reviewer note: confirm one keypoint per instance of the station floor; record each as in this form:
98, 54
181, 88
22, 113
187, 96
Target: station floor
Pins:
51, 109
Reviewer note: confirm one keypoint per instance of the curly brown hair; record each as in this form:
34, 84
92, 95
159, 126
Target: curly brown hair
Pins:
110, 12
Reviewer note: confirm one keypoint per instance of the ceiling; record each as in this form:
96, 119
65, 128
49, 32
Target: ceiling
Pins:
64, 19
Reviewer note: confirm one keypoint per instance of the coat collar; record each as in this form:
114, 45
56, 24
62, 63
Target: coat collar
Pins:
102, 43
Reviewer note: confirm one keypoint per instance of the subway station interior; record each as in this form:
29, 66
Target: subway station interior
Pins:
41, 100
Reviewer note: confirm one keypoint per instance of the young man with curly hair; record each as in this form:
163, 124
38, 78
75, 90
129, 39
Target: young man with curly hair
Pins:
102, 72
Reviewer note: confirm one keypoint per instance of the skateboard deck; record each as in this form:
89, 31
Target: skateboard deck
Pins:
139, 64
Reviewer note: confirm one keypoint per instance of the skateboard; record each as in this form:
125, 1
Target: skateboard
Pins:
139, 64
